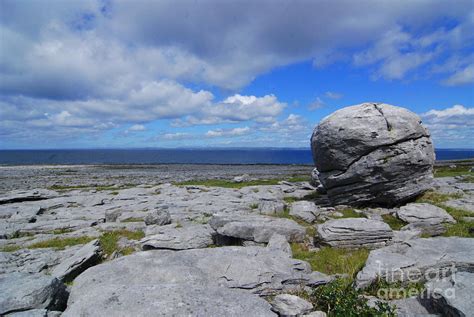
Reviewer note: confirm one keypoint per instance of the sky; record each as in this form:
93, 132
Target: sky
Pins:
128, 74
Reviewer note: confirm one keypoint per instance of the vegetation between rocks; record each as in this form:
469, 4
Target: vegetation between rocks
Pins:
339, 298
60, 243
394, 222
461, 170
109, 241
331, 260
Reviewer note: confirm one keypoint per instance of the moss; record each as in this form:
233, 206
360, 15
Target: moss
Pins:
394, 222
10, 248
350, 213
109, 240
254, 206
61, 243
331, 260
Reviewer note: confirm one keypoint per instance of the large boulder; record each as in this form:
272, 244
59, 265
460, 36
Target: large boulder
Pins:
172, 238
373, 153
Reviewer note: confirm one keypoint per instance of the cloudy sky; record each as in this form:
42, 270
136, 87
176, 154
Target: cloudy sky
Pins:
81, 74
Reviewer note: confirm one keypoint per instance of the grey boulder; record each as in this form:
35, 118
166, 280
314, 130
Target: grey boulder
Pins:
271, 207
257, 228
353, 233
24, 291
373, 153
315, 178
84, 258
290, 305
278, 243
172, 238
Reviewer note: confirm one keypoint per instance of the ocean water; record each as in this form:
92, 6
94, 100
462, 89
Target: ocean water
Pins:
179, 156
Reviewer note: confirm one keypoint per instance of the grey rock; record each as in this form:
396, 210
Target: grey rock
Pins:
425, 228
317, 313
30, 313
453, 295
241, 178
271, 207
421, 212
278, 243
397, 262
24, 291
84, 258
304, 210
290, 305
467, 187
410, 307
26, 195
158, 217
315, 182
257, 228
353, 233
373, 153
169, 237
464, 203
112, 215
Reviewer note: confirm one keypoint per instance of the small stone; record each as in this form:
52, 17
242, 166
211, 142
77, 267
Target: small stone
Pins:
290, 305
158, 217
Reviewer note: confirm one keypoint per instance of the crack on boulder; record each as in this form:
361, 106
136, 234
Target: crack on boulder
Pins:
389, 126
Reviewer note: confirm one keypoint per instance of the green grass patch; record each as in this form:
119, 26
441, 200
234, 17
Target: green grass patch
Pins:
331, 260
339, 298
109, 240
350, 213
61, 231
299, 178
254, 206
10, 248
446, 171
432, 197
60, 243
394, 222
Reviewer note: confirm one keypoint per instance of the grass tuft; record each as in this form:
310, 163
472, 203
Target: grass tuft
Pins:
394, 222
61, 243
10, 248
462, 170
331, 260
350, 213
109, 240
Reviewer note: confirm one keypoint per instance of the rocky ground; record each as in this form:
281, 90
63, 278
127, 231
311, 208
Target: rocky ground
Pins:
158, 240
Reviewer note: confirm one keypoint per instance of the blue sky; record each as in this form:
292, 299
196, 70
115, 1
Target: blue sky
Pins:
82, 74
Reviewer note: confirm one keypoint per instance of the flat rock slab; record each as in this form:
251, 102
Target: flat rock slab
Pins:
199, 282
172, 238
85, 257
464, 203
24, 291
257, 228
26, 195
421, 212
353, 233
399, 261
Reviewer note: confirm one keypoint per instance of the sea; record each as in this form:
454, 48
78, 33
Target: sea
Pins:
179, 156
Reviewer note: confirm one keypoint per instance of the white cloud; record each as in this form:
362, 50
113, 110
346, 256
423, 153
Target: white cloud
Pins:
333, 95
317, 104
137, 127
461, 77
451, 126
227, 133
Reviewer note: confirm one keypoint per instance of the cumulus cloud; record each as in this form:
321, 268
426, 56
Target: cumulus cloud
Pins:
81, 67
227, 133
136, 127
454, 125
